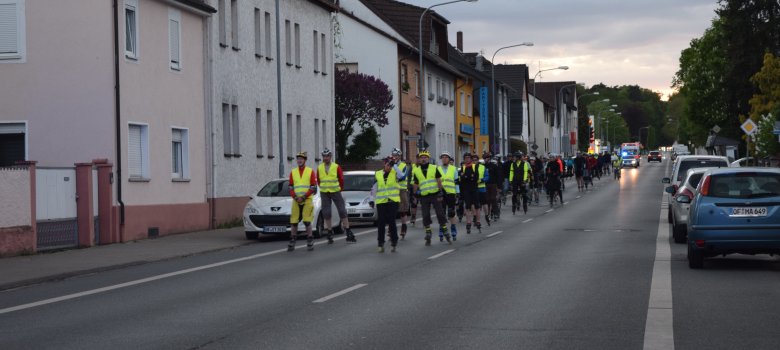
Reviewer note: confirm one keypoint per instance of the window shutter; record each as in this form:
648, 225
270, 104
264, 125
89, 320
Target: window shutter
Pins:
227, 144
9, 25
176, 135
174, 42
134, 153
12, 128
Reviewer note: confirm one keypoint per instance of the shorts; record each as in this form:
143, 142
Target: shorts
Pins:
303, 212
403, 207
492, 192
329, 198
470, 199
483, 197
414, 199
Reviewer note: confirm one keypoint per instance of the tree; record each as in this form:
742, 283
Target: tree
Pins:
361, 100
364, 146
765, 105
766, 140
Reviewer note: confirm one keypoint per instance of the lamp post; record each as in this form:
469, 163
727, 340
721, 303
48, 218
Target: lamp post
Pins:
422, 68
648, 133
598, 117
534, 109
564, 129
493, 86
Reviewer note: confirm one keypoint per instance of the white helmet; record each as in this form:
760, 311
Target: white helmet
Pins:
445, 154
481, 161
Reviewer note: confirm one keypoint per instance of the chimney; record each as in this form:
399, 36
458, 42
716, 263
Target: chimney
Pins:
460, 41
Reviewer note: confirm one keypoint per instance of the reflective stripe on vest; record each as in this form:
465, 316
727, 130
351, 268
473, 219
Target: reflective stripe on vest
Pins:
427, 182
301, 183
386, 191
402, 167
448, 179
329, 181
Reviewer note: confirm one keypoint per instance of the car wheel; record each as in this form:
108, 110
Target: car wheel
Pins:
320, 228
669, 216
252, 235
678, 233
695, 258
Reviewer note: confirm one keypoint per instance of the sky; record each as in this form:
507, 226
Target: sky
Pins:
615, 42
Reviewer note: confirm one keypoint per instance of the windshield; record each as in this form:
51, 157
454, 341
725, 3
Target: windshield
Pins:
655, 153
745, 185
358, 182
699, 163
693, 181
278, 188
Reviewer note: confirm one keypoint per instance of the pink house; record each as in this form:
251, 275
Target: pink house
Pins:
122, 80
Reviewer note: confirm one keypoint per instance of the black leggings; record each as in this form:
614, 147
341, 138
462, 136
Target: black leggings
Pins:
386, 213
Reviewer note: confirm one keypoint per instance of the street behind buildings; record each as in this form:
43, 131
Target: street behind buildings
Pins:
577, 276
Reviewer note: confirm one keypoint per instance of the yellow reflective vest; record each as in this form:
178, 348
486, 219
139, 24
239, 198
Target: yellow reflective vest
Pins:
427, 182
402, 167
329, 180
448, 179
386, 191
301, 183
516, 166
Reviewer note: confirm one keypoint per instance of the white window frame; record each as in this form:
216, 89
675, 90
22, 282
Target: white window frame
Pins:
234, 25
297, 33
222, 23
463, 103
324, 49
258, 33
174, 15
259, 132
132, 5
288, 42
316, 55
20, 55
269, 129
185, 153
268, 38
26, 135
145, 171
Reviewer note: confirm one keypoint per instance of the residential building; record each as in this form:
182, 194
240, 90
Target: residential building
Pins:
497, 105
129, 88
541, 112
252, 138
469, 134
561, 95
516, 76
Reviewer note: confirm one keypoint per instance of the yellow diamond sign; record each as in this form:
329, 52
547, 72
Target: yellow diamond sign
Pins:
749, 127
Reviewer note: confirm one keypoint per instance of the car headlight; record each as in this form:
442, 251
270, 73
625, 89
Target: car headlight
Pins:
365, 201
251, 210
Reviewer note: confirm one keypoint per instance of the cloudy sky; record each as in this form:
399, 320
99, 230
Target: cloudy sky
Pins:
617, 42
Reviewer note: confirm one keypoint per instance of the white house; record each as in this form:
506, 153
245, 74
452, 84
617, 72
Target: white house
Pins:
252, 137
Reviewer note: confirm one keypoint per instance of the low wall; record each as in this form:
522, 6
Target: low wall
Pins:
17, 227
169, 218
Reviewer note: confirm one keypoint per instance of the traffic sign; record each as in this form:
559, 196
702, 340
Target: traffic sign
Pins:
749, 127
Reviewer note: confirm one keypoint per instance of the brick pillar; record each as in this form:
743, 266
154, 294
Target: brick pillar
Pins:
108, 233
31, 164
84, 205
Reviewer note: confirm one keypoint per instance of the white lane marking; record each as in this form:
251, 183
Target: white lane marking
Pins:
659, 327
549, 210
149, 279
564, 203
495, 233
578, 197
441, 254
527, 221
340, 293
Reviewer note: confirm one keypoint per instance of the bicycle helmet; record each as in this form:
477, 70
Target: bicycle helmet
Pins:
326, 152
396, 152
445, 154
424, 153
302, 155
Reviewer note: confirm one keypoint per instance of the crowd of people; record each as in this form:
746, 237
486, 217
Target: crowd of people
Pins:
475, 189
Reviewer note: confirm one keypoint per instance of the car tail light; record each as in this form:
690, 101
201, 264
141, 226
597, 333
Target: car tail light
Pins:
636, 156
686, 192
700, 243
705, 187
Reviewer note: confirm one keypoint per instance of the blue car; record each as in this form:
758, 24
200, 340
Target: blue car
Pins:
736, 210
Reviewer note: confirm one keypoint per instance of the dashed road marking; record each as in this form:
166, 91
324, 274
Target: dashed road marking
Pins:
441, 254
340, 293
494, 233
549, 210
527, 221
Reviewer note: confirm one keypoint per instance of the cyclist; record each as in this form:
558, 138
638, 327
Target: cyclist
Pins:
520, 176
303, 185
331, 180
427, 179
579, 168
553, 174
617, 164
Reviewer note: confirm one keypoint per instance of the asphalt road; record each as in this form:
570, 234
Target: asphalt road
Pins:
576, 277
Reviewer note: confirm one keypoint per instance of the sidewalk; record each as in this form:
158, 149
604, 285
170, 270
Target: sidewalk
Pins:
25, 270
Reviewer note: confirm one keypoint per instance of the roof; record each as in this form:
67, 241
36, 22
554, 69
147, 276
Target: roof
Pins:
330, 5
547, 91
716, 140
515, 75
458, 60
198, 4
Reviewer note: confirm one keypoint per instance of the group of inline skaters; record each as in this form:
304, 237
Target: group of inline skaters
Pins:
476, 187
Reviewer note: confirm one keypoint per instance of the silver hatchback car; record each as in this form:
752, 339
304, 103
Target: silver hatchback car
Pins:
681, 202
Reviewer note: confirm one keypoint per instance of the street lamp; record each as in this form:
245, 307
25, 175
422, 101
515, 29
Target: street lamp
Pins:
648, 133
598, 117
591, 94
493, 86
534, 109
422, 68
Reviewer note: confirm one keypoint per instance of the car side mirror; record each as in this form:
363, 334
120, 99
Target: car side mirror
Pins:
666, 180
669, 189
683, 199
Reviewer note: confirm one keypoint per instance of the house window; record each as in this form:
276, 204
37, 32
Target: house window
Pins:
418, 88
230, 139
297, 45
469, 109
324, 48
259, 131
462, 103
430, 87
234, 23
222, 23
235, 134
438, 90
180, 153
404, 79
269, 130
289, 138
174, 35
316, 138
324, 135
268, 52
12, 31
138, 151
258, 33
288, 42
316, 51
131, 29
298, 135
13, 143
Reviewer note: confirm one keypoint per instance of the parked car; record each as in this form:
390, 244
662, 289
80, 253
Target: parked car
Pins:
357, 193
681, 200
655, 156
268, 212
736, 210
681, 166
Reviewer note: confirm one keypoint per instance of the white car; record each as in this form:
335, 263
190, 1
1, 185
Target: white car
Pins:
357, 195
268, 212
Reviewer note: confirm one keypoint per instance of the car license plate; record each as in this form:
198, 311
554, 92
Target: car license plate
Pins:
275, 229
351, 211
748, 212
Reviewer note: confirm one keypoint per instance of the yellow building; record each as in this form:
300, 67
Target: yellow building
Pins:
467, 120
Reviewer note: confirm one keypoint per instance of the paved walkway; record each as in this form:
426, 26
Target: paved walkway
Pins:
24, 270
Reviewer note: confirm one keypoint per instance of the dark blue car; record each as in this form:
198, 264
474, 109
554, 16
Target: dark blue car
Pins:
736, 210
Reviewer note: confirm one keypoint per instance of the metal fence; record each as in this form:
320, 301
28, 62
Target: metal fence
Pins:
58, 234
